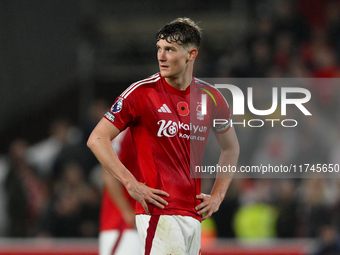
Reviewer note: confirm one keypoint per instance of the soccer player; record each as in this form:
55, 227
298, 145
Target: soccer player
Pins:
118, 235
170, 115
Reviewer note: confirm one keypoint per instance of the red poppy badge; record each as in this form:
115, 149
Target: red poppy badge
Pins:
183, 108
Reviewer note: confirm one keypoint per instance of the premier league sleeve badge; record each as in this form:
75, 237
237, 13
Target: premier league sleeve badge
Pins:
117, 107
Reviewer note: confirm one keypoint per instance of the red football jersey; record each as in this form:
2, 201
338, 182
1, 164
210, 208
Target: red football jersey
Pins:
110, 215
170, 131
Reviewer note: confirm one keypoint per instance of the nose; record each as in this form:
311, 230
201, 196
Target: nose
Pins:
161, 55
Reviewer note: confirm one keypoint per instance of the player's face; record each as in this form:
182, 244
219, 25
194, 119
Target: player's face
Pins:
172, 59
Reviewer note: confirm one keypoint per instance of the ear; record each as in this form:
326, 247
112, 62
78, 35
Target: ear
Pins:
192, 54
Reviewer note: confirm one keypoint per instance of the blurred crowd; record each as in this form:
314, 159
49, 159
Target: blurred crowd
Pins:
285, 39
53, 188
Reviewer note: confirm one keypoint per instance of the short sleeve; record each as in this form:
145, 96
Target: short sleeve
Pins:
122, 113
221, 114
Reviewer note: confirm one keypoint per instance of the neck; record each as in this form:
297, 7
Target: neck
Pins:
181, 82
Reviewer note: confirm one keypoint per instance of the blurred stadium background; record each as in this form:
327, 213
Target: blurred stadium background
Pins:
64, 62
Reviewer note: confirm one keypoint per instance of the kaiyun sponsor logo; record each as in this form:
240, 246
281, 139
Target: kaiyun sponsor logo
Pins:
171, 128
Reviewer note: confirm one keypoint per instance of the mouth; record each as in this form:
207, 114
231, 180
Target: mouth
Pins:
163, 67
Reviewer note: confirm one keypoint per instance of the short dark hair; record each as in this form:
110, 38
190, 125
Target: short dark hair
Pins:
183, 31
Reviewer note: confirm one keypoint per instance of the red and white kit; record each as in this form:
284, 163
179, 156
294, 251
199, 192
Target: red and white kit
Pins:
170, 133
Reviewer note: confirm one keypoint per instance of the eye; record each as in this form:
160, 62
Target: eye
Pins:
171, 49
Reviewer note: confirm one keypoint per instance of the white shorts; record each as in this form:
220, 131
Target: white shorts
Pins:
169, 235
117, 242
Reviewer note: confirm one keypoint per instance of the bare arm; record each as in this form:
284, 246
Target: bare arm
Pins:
100, 144
229, 156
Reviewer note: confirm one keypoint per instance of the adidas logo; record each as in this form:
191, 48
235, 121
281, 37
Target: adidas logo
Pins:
164, 108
